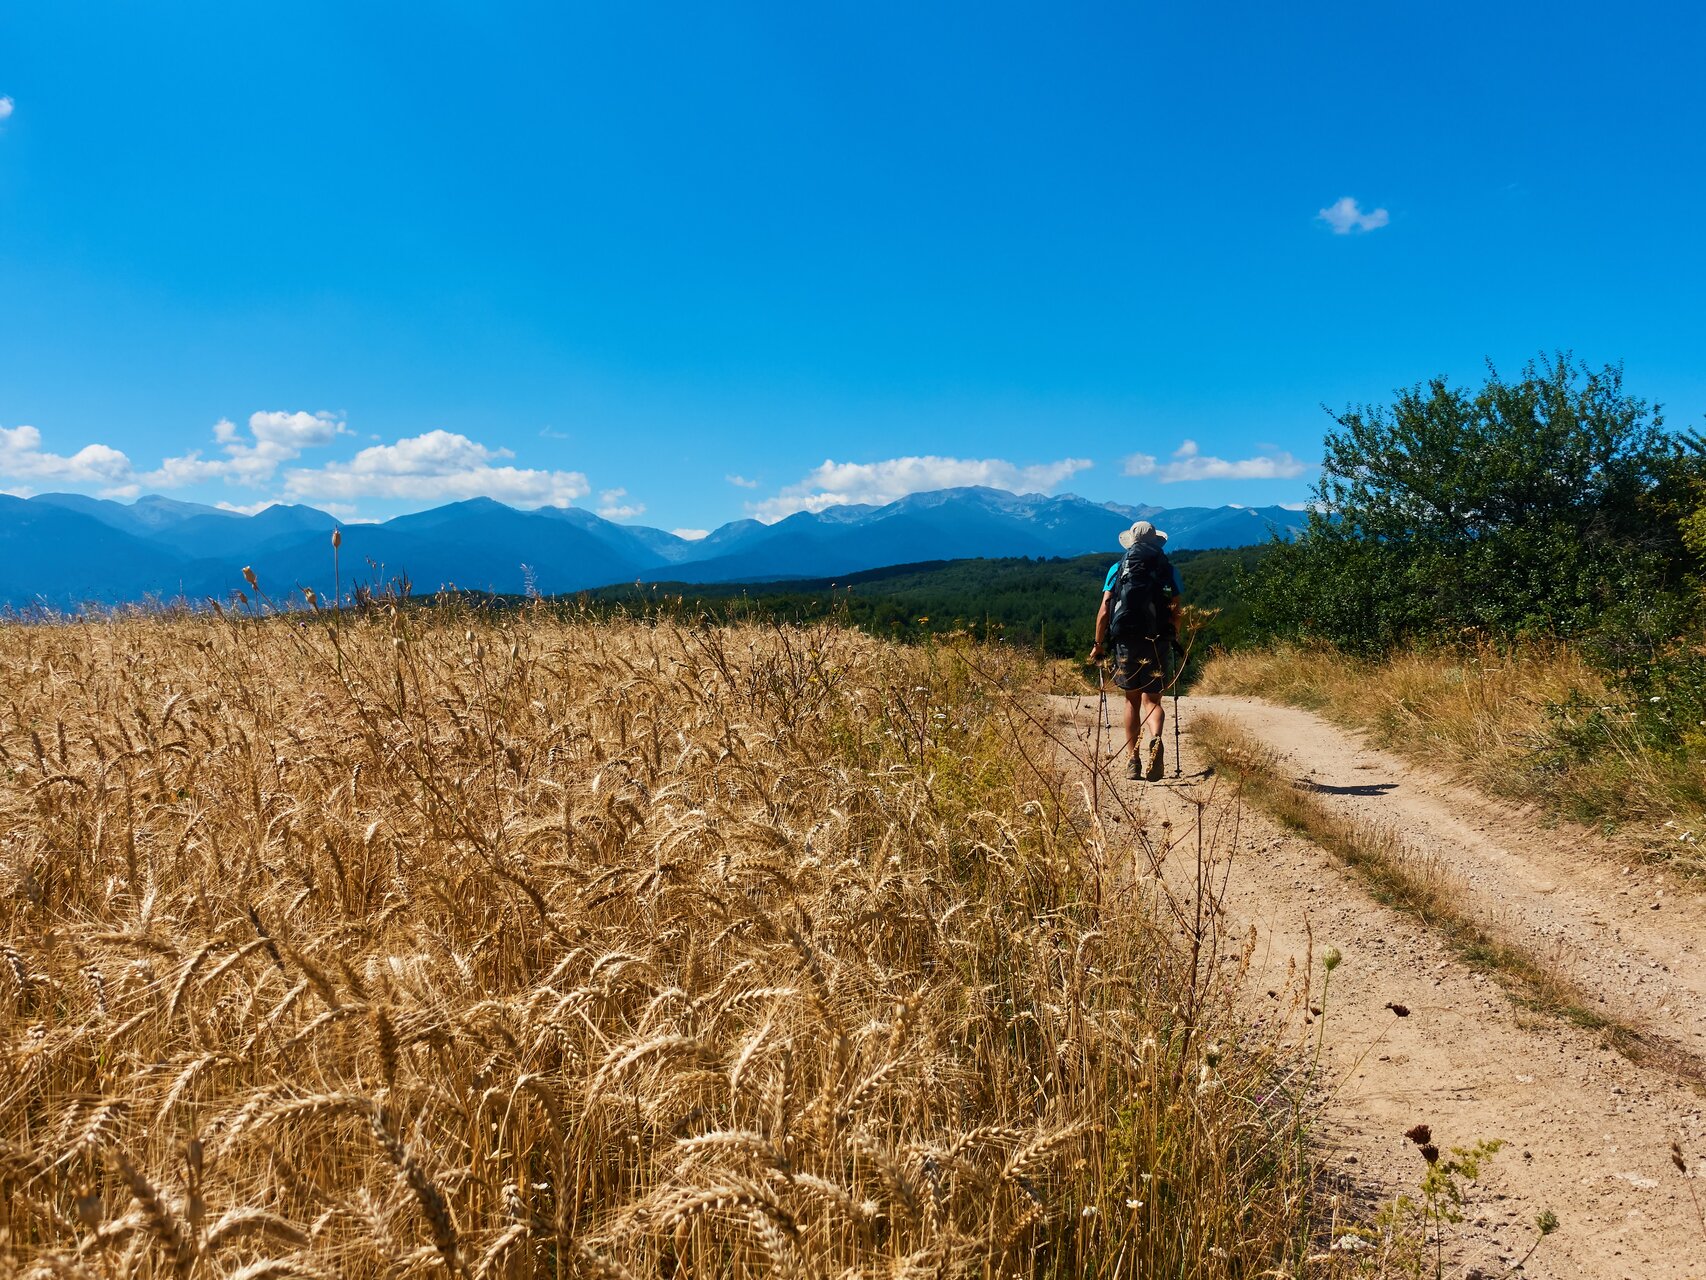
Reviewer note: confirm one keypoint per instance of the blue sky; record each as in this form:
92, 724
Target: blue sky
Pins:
689, 263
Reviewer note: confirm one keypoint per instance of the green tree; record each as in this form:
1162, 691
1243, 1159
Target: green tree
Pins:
1521, 506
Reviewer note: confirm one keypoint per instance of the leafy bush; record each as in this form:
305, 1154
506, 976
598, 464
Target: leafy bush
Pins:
1525, 507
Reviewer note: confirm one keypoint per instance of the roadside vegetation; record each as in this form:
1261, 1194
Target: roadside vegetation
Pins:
438, 941
1510, 584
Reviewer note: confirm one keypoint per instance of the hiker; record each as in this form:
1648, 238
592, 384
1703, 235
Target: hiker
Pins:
1140, 616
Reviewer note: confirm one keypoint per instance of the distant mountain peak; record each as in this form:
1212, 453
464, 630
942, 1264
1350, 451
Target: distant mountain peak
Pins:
170, 548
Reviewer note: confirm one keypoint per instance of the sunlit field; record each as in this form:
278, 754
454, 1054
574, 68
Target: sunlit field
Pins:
423, 942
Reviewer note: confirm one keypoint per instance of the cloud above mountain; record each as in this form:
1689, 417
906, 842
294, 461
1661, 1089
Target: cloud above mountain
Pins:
840, 484
94, 466
275, 437
612, 507
1190, 463
436, 466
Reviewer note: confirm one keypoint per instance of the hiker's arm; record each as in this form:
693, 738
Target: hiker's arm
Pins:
1102, 626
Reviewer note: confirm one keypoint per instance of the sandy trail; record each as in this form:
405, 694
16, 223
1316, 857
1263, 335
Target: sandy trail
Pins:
1587, 1132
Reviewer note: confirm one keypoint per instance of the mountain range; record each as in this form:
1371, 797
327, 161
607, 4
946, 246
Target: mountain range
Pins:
62, 550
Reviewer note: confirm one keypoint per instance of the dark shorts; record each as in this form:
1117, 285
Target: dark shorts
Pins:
1141, 665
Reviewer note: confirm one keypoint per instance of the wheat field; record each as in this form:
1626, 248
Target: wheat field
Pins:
430, 941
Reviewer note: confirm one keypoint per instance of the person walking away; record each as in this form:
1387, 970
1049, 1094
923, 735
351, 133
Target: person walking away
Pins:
1136, 624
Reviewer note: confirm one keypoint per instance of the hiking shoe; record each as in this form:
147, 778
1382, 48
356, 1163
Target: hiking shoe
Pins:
1134, 768
1154, 760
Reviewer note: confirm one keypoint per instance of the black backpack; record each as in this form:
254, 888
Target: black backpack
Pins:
1140, 594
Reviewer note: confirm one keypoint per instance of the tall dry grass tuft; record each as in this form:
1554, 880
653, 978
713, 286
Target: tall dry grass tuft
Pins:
1535, 724
423, 942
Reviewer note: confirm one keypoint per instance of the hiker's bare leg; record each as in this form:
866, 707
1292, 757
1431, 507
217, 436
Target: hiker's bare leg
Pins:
1154, 716
1133, 722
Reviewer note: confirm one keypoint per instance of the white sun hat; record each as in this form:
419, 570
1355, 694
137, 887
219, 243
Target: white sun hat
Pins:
1142, 531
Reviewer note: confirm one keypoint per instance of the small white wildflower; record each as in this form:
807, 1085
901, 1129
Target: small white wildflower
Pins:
1655, 698
1134, 1204
1089, 1211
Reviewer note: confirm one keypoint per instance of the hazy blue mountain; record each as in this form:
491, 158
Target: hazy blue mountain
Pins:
65, 549
52, 554
202, 534
726, 538
638, 542
1200, 528
482, 545
953, 524
148, 515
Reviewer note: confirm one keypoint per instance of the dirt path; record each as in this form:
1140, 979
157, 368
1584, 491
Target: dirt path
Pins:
1588, 1134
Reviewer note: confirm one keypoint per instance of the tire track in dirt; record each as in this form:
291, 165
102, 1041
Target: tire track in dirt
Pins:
1633, 936
1587, 1132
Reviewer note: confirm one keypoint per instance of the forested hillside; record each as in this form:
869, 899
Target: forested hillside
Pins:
1044, 604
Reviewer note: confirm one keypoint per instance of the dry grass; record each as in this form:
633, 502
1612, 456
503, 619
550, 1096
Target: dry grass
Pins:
421, 943
1535, 724
1410, 880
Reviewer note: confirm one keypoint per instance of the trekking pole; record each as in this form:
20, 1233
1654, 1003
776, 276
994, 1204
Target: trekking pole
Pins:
1102, 685
1178, 764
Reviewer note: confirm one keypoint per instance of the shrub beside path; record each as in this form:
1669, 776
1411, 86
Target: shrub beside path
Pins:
1588, 1133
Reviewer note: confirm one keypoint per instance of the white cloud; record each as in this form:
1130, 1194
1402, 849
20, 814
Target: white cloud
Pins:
1345, 216
1190, 463
741, 482
5, 109
611, 506
93, 466
296, 430
1139, 464
691, 535
439, 466
275, 437
840, 484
